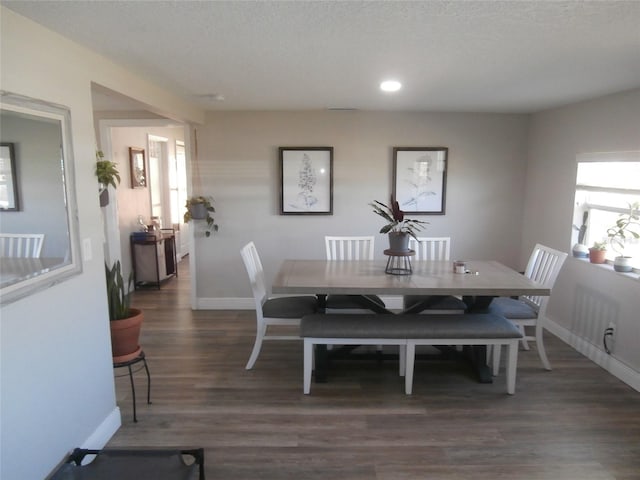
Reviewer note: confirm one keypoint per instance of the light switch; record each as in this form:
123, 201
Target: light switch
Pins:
87, 254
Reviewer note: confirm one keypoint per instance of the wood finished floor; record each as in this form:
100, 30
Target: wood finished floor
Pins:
577, 422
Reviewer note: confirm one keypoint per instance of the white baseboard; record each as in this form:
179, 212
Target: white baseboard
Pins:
597, 355
225, 303
107, 429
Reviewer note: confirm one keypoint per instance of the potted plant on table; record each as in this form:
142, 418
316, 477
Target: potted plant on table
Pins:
125, 322
398, 227
201, 208
598, 252
623, 229
107, 173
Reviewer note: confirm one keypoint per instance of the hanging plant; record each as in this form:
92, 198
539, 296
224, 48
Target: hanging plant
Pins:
201, 208
106, 171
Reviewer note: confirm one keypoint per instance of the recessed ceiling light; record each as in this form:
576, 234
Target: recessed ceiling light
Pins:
390, 86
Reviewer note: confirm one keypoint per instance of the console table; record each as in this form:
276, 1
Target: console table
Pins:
153, 257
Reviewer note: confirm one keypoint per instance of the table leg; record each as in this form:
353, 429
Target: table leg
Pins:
321, 364
477, 355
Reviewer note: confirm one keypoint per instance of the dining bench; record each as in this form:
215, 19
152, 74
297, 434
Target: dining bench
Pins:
407, 331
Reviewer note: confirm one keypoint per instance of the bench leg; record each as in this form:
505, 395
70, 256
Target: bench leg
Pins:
410, 358
512, 366
308, 362
402, 359
495, 359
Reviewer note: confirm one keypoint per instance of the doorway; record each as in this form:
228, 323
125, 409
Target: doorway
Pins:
164, 144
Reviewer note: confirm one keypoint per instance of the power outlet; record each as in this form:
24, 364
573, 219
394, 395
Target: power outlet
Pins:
612, 328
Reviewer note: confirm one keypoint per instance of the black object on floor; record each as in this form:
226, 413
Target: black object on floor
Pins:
133, 465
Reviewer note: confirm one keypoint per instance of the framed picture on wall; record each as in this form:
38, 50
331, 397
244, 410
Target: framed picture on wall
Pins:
8, 179
420, 179
306, 180
138, 167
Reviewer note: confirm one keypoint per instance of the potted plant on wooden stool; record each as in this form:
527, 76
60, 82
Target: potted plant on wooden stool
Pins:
125, 322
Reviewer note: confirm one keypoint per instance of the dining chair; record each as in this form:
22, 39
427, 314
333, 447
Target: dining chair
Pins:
530, 311
433, 248
21, 245
272, 311
344, 248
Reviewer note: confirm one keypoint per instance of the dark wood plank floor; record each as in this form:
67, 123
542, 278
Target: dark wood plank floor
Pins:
576, 422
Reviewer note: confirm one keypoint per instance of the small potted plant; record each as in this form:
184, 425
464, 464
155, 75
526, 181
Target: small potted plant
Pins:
398, 227
598, 252
107, 173
579, 249
125, 322
201, 208
624, 229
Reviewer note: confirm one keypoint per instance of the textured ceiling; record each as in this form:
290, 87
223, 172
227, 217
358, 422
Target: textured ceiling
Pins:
481, 56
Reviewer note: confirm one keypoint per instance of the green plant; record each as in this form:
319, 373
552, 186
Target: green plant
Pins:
207, 203
623, 228
118, 295
397, 221
106, 170
599, 246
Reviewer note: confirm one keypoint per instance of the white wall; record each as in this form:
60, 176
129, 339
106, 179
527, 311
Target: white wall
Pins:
57, 389
238, 156
586, 297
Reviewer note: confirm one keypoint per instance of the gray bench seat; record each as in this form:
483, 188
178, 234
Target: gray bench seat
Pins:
407, 331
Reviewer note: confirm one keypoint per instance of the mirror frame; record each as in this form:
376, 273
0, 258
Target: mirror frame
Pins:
73, 265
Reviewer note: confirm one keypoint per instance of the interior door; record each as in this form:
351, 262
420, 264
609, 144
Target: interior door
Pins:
178, 191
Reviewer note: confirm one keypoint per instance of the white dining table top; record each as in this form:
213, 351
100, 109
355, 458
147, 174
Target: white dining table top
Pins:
486, 278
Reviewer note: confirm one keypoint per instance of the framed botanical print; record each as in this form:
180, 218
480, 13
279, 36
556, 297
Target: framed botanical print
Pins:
420, 179
306, 180
8, 178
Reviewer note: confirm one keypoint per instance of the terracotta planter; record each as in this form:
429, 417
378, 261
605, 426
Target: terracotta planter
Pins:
125, 336
597, 256
398, 242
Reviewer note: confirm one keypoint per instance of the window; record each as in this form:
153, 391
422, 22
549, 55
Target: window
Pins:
606, 184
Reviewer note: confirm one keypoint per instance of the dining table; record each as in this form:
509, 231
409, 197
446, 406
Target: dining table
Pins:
480, 282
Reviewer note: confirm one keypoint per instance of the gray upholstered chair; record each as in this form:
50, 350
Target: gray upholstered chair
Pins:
432, 248
528, 311
272, 311
21, 245
347, 249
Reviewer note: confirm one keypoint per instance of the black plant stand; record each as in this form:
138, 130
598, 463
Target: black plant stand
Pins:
129, 364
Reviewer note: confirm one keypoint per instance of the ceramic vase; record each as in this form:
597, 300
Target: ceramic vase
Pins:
398, 242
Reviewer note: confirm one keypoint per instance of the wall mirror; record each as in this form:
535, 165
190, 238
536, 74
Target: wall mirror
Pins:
39, 237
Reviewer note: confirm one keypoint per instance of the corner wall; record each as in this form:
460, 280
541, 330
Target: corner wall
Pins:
56, 376
586, 297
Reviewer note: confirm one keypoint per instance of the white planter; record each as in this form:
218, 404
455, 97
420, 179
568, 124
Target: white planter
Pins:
580, 251
622, 264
